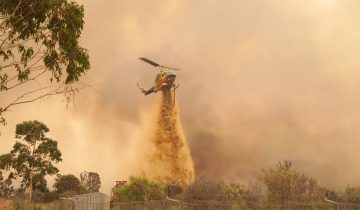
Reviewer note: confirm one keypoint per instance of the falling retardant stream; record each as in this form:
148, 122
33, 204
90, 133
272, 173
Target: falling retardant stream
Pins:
168, 153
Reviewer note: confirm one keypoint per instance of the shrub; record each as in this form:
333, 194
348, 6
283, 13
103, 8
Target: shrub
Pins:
207, 188
352, 194
138, 189
284, 184
50, 196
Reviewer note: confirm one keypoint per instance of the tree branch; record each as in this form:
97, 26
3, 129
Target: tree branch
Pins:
62, 89
31, 79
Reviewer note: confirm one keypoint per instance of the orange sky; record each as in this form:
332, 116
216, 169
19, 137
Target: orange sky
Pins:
262, 81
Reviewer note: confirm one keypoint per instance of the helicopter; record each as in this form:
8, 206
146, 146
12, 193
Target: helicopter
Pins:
163, 80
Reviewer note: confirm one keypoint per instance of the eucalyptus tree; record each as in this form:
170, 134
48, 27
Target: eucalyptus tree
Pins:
32, 157
39, 41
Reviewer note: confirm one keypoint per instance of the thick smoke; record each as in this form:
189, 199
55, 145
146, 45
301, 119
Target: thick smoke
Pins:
262, 81
167, 154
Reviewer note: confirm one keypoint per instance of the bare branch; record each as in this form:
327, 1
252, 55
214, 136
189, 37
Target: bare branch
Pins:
31, 79
61, 89
23, 95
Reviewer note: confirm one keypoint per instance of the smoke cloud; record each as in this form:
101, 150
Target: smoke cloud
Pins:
262, 81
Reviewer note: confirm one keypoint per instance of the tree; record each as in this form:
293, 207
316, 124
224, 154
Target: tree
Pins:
67, 183
34, 158
90, 181
39, 40
285, 184
6, 188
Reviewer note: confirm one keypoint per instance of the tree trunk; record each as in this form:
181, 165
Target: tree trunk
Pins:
31, 186
31, 175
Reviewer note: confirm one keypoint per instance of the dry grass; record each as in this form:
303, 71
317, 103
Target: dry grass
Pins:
6, 204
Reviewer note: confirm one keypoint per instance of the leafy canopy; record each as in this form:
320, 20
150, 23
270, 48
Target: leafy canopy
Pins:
90, 181
55, 25
66, 183
139, 189
34, 155
284, 184
39, 40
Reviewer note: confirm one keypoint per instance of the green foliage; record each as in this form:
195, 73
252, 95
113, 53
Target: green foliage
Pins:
138, 189
40, 184
28, 207
208, 188
68, 185
231, 192
352, 194
40, 39
252, 194
33, 158
36, 155
283, 184
6, 188
90, 181
54, 24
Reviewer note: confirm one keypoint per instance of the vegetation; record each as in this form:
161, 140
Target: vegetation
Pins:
352, 194
138, 189
90, 181
40, 40
280, 186
284, 184
33, 158
6, 188
68, 185
208, 188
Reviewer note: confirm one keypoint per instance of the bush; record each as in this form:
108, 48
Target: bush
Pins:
251, 196
138, 189
284, 184
50, 197
208, 188
352, 194
173, 190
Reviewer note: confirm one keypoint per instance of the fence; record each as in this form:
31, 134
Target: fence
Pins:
91, 201
58, 205
216, 205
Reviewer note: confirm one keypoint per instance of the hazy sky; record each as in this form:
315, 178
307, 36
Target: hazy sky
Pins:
262, 81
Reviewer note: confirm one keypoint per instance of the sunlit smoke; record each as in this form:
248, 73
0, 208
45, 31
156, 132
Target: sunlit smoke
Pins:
262, 81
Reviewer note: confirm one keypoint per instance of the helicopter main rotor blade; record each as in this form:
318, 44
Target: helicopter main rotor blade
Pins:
149, 62
156, 64
165, 67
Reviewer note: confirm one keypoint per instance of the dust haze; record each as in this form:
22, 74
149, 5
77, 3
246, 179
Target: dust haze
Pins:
262, 81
